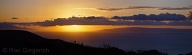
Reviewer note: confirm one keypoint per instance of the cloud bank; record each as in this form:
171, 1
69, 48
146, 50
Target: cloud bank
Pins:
14, 18
189, 15
139, 19
141, 8
162, 16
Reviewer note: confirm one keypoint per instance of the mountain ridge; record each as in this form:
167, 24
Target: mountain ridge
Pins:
18, 39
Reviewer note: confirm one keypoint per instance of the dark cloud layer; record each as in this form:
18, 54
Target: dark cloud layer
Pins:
7, 26
14, 18
110, 9
183, 8
145, 7
139, 19
162, 16
140, 7
189, 15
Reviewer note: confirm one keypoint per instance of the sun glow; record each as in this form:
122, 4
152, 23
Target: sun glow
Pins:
70, 28
75, 28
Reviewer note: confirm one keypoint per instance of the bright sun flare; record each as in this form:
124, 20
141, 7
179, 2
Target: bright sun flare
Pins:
74, 28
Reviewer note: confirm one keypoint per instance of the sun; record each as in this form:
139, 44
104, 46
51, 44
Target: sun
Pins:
74, 28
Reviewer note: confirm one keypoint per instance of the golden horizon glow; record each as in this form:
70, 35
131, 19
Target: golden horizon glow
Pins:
41, 10
74, 28
88, 28
70, 28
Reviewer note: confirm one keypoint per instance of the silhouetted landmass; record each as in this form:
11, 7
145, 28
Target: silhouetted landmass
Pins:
23, 39
189, 53
150, 52
13, 40
186, 54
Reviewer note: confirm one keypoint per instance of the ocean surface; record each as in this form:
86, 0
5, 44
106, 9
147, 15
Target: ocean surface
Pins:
170, 39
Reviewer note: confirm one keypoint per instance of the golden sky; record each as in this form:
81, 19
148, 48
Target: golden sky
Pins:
40, 10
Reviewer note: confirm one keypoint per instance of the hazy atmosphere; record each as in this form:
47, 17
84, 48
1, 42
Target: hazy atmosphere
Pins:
96, 27
40, 10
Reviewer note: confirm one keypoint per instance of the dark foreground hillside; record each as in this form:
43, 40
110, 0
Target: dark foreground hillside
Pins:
23, 42
17, 42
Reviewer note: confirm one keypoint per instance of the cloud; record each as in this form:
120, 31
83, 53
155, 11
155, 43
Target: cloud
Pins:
160, 17
189, 15
8, 26
139, 19
183, 8
110, 9
14, 18
140, 8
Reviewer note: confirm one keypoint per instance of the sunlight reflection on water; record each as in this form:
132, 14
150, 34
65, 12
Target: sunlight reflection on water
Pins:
92, 28
169, 39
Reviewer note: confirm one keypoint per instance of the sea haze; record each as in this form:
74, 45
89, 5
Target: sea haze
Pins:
171, 39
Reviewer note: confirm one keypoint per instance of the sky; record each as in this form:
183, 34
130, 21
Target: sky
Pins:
40, 10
